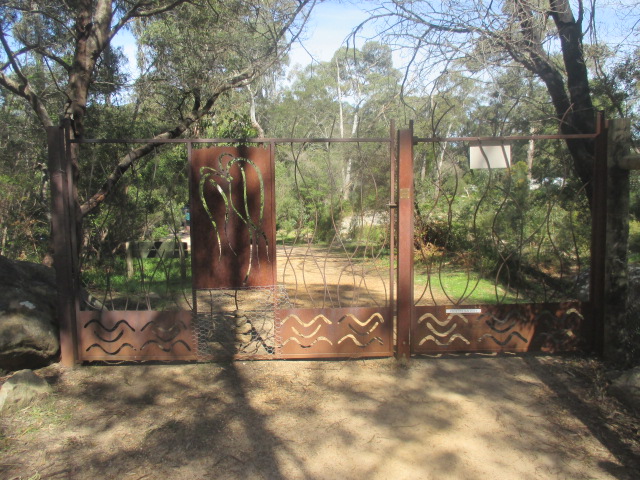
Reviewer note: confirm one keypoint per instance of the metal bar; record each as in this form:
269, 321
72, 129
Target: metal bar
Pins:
392, 214
405, 306
75, 220
62, 245
599, 236
233, 140
192, 195
506, 139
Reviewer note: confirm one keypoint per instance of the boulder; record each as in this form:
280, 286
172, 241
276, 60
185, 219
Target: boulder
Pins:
28, 320
21, 389
627, 388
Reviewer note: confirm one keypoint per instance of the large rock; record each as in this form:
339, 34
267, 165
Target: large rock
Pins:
627, 388
21, 389
28, 320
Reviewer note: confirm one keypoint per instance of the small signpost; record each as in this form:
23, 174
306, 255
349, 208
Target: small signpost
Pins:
489, 154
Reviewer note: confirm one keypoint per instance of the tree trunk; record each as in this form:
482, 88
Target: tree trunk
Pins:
618, 325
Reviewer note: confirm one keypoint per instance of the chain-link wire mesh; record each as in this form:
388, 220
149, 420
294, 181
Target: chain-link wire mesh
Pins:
238, 322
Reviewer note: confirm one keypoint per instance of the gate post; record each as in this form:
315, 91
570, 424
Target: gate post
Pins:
405, 307
62, 230
598, 236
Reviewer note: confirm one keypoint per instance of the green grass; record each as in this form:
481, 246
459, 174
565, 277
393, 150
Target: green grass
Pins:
465, 289
163, 280
634, 241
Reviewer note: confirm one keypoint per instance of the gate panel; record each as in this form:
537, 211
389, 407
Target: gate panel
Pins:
109, 335
495, 262
557, 327
335, 332
232, 222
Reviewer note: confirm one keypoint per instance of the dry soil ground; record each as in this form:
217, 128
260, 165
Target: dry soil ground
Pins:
437, 418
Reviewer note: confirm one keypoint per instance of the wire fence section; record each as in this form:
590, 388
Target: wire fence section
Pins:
499, 223
333, 227
136, 246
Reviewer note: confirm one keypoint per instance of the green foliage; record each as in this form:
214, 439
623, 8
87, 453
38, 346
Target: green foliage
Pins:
529, 233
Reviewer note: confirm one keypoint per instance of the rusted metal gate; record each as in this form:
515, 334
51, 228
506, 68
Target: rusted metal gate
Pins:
237, 308
452, 325
248, 304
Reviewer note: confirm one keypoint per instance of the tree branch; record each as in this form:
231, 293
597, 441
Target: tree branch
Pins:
134, 12
23, 89
130, 158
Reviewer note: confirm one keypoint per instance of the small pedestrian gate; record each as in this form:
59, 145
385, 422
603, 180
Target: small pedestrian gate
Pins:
239, 287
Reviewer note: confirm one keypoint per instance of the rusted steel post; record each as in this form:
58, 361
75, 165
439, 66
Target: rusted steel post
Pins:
393, 205
598, 236
62, 231
405, 241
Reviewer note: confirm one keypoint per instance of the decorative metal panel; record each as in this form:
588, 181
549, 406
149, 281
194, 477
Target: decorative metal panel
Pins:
232, 221
498, 328
335, 332
135, 335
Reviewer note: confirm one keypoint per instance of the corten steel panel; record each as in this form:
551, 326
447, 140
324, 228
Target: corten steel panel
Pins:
135, 335
232, 217
335, 332
550, 327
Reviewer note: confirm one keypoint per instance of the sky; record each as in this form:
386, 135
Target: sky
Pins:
332, 21
328, 28
330, 24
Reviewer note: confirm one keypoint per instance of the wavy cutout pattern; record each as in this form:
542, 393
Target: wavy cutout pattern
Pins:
504, 342
165, 349
364, 334
97, 335
441, 334
442, 323
443, 344
358, 343
179, 324
319, 339
309, 335
489, 317
565, 315
311, 322
95, 320
165, 333
561, 332
503, 330
366, 322
115, 352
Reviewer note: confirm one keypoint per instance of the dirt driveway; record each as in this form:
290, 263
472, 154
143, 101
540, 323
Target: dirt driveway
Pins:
456, 418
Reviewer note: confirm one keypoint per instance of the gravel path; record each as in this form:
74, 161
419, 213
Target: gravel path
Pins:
456, 418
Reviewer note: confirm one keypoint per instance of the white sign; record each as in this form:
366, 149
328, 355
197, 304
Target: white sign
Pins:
489, 154
464, 310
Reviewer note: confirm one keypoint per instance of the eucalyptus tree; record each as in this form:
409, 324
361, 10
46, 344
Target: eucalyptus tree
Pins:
57, 58
544, 37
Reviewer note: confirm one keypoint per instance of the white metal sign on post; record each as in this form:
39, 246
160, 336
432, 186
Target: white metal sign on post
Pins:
489, 154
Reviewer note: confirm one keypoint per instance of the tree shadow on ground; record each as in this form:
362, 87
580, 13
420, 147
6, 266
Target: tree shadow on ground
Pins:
592, 415
435, 418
